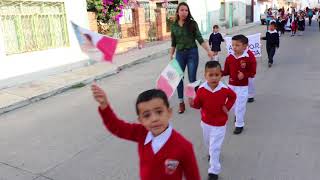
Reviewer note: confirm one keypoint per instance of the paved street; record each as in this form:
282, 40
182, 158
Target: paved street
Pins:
62, 138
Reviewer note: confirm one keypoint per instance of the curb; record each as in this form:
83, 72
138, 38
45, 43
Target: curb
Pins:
84, 82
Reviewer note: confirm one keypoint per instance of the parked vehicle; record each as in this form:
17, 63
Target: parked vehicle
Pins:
263, 18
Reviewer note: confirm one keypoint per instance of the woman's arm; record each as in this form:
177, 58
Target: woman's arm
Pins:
172, 51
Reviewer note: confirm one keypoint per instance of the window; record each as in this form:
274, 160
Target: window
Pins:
32, 26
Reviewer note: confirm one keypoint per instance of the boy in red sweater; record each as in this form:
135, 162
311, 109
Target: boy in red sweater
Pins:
163, 152
215, 100
240, 66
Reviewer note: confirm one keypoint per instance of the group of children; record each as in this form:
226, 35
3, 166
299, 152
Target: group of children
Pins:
298, 23
163, 152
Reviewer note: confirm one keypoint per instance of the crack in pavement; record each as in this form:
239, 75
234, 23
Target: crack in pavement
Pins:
26, 171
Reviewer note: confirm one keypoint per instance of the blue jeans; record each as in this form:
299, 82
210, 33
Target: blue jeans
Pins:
188, 58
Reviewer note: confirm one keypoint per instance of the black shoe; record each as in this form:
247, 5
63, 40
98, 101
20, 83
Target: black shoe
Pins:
213, 177
235, 119
238, 130
250, 100
208, 158
269, 65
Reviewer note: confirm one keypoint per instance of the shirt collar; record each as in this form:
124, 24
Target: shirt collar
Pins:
160, 140
274, 31
218, 88
245, 54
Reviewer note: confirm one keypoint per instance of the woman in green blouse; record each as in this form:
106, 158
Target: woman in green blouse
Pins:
184, 33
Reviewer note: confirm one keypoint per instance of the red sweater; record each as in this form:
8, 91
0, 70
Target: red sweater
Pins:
246, 65
163, 164
211, 104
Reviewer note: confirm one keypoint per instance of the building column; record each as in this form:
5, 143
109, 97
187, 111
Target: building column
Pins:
161, 23
139, 18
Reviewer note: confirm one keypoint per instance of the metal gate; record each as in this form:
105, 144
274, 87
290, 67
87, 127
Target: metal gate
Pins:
32, 25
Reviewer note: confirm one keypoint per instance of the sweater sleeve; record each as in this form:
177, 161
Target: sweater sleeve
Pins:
222, 40
252, 66
173, 38
266, 37
198, 35
210, 40
226, 70
197, 100
231, 98
190, 165
124, 130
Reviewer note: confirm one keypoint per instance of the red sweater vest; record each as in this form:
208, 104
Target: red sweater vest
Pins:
211, 105
173, 161
246, 65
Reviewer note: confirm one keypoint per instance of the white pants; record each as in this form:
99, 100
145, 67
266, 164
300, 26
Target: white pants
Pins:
241, 103
213, 138
251, 88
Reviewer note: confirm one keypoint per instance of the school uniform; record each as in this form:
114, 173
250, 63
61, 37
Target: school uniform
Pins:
247, 65
273, 42
294, 27
301, 25
214, 119
215, 43
279, 26
168, 156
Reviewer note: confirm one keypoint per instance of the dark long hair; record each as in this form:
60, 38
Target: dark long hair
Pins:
190, 22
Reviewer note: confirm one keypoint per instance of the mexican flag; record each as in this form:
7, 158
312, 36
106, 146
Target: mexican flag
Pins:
99, 47
170, 78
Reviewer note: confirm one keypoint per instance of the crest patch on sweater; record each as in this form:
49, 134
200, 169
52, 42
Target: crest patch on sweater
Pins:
171, 166
243, 64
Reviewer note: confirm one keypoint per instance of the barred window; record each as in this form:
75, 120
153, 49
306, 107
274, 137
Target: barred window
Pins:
28, 26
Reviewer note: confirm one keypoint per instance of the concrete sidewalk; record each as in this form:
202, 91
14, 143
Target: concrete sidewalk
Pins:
25, 94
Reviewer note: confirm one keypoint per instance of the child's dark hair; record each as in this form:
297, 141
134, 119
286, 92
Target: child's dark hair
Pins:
212, 64
273, 23
242, 38
152, 94
215, 27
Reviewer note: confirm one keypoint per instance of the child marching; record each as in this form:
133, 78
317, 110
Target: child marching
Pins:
215, 42
214, 99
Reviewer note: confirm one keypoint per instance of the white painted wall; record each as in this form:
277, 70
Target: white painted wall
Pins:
30, 66
198, 10
260, 8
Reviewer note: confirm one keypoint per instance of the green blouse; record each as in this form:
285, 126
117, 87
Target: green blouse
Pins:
182, 38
